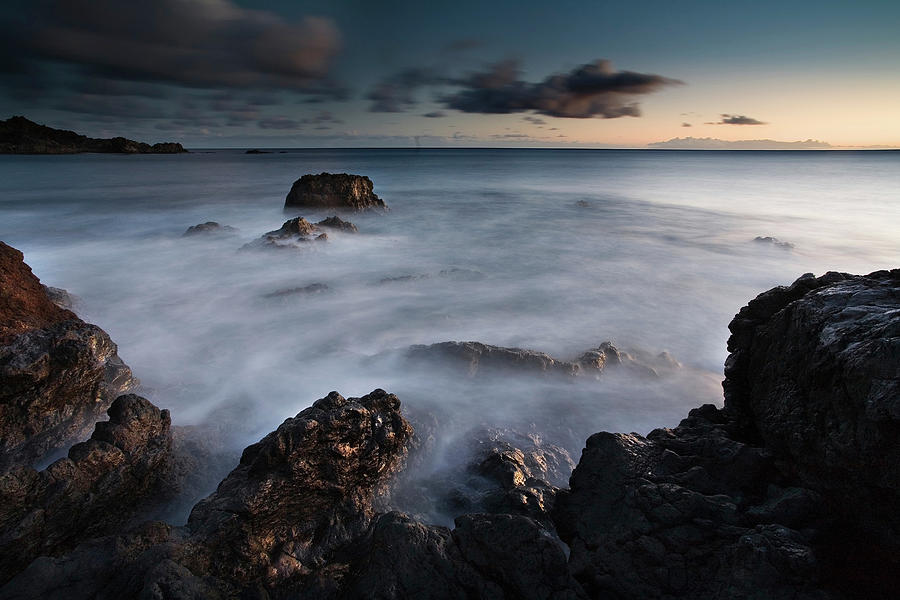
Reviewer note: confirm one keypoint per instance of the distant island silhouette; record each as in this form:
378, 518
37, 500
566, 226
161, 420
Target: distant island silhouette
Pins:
19, 135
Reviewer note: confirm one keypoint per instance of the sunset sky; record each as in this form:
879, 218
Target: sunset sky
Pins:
219, 73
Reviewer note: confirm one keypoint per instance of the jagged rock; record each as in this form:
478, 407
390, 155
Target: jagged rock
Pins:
209, 228
294, 233
303, 491
773, 241
339, 224
476, 358
684, 513
829, 405
58, 374
524, 472
334, 190
90, 493
606, 355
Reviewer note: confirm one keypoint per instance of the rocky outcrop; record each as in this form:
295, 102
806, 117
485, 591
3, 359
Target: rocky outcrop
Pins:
18, 135
828, 407
209, 228
478, 358
286, 518
304, 491
475, 358
762, 498
58, 374
334, 190
294, 233
338, 224
91, 492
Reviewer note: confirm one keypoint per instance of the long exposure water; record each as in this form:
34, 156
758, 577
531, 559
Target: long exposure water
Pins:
552, 250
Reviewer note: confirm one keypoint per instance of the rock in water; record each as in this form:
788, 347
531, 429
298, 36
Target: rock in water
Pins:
209, 228
334, 190
58, 374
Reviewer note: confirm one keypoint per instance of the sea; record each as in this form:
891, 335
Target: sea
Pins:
556, 251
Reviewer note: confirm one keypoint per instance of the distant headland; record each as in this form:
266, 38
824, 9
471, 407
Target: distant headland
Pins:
19, 135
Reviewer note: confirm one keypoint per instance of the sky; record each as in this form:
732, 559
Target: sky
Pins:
361, 73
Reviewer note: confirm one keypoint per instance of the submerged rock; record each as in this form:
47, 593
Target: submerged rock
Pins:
476, 357
334, 190
339, 224
773, 241
58, 374
209, 228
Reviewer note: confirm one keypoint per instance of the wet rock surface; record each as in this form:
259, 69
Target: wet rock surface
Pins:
58, 374
334, 190
475, 357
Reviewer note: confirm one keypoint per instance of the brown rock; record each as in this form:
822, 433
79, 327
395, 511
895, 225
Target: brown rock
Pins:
334, 190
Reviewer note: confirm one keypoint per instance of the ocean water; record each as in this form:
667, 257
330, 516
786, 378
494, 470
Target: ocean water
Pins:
552, 250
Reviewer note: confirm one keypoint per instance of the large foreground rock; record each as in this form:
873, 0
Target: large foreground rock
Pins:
334, 190
58, 374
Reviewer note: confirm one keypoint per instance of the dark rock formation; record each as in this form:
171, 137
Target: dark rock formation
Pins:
334, 190
828, 407
58, 374
339, 224
91, 492
18, 135
209, 228
303, 491
476, 357
257, 151
773, 241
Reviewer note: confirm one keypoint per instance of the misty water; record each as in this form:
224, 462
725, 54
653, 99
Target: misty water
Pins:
551, 250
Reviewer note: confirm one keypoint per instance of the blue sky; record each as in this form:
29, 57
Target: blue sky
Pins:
286, 73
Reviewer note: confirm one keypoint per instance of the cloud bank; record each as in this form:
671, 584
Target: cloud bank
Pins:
594, 89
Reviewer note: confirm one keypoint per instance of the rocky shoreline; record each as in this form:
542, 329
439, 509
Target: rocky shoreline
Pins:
787, 491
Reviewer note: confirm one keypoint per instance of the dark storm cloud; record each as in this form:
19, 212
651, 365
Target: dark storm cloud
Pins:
397, 93
534, 120
199, 43
321, 118
278, 123
739, 120
591, 90
435, 114
686, 125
